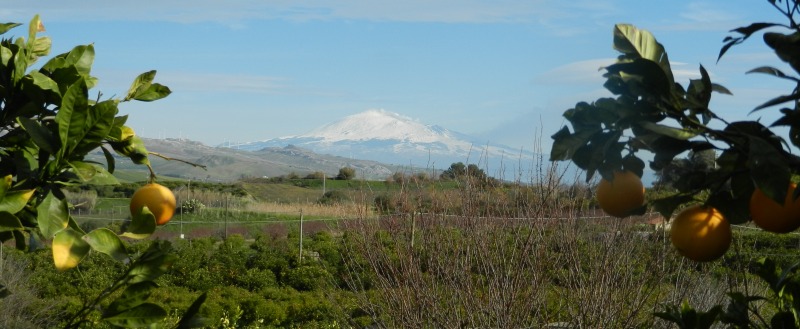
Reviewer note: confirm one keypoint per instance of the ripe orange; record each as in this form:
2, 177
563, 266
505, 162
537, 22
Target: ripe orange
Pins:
701, 233
770, 216
622, 195
158, 199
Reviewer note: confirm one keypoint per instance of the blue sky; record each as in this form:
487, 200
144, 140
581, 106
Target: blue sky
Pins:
502, 70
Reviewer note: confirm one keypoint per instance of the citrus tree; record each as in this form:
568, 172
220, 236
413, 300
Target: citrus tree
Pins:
49, 122
650, 112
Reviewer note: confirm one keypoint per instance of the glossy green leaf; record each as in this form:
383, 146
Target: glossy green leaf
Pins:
110, 162
5, 55
52, 215
40, 135
46, 84
642, 76
676, 133
72, 116
99, 123
769, 70
107, 242
82, 57
139, 316
41, 46
34, 26
640, 43
5, 27
9, 222
14, 201
93, 174
68, 249
134, 295
140, 84
141, 226
154, 92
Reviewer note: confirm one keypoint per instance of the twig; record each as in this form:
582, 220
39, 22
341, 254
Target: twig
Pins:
179, 160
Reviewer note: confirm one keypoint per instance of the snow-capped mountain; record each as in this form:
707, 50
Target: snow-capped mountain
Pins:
392, 138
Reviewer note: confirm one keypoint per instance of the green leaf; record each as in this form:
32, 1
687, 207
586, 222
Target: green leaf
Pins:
642, 75
153, 92
777, 100
72, 116
633, 164
768, 169
45, 84
769, 70
14, 201
99, 122
720, 89
565, 144
191, 318
134, 295
105, 241
40, 136
110, 162
52, 215
666, 206
140, 84
642, 44
746, 32
156, 261
141, 226
668, 131
5, 184
9, 222
82, 58
139, 316
92, 174
68, 249
5, 27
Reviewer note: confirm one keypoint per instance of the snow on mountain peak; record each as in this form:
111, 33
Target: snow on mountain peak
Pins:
379, 124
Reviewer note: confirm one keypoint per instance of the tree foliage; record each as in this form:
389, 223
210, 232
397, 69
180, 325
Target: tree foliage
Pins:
346, 173
49, 122
650, 111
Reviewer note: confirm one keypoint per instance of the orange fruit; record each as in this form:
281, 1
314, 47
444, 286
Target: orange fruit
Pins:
770, 216
158, 199
622, 195
701, 233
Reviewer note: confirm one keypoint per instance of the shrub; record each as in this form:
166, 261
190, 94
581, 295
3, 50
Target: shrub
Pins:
333, 197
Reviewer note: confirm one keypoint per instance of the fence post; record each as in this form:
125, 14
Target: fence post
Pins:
301, 236
413, 229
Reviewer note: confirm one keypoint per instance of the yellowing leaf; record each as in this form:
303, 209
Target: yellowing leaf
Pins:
68, 249
14, 201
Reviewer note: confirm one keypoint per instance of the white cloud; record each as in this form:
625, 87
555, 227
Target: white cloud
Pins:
581, 72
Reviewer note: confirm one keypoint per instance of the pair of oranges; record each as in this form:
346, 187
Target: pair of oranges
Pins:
699, 232
157, 198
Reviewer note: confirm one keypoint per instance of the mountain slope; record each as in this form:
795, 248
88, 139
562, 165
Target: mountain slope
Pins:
392, 138
226, 164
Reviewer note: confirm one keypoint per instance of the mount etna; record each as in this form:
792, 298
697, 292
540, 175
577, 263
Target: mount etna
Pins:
391, 138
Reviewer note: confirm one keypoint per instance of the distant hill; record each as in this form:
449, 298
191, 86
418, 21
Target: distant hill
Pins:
226, 164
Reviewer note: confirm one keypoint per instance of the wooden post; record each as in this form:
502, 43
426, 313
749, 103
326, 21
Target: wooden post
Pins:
301, 237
